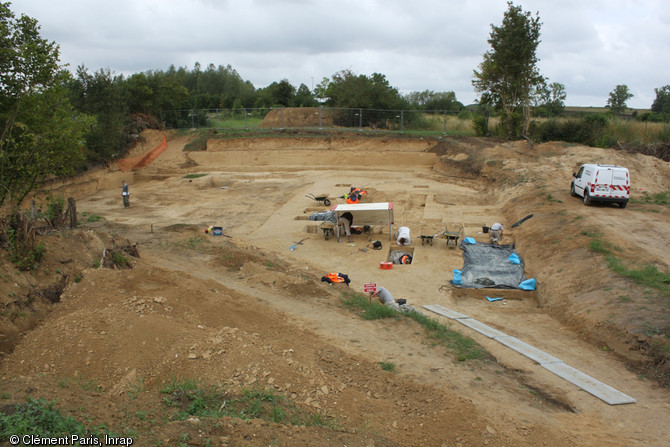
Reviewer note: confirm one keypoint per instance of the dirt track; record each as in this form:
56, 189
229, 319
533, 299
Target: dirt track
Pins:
247, 310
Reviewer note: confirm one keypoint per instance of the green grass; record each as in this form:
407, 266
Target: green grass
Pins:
464, 347
367, 309
661, 198
387, 366
120, 259
648, 276
40, 418
93, 218
194, 175
190, 398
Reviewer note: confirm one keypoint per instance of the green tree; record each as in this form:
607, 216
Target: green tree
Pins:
662, 102
509, 74
618, 97
101, 95
282, 92
304, 98
430, 100
348, 90
549, 99
41, 133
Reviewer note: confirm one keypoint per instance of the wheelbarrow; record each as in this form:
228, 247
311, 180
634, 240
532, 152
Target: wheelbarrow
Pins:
328, 229
321, 198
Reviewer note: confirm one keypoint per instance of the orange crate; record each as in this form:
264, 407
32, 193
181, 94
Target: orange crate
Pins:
386, 265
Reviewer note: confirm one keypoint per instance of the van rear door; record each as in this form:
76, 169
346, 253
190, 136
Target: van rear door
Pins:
620, 184
602, 182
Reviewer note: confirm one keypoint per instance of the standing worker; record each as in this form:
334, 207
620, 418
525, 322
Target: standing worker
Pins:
125, 194
496, 233
346, 219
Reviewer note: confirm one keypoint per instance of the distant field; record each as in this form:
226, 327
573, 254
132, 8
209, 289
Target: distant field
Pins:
575, 109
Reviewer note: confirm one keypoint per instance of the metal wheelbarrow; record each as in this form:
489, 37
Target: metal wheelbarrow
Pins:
320, 198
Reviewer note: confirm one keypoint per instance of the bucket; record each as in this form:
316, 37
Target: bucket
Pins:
485, 230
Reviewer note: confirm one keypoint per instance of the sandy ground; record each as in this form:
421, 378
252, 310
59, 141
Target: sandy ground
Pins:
246, 310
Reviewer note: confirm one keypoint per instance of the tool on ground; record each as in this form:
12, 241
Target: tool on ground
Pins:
522, 221
295, 244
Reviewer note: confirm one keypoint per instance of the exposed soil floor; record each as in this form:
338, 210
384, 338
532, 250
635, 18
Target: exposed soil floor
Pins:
244, 311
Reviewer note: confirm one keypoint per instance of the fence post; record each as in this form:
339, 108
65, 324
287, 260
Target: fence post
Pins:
281, 121
245, 120
360, 120
192, 118
402, 121
320, 122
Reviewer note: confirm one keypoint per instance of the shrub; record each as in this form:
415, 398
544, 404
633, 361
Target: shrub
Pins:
480, 124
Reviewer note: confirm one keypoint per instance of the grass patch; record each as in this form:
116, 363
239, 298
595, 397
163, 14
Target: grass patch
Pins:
368, 310
464, 347
93, 218
387, 366
193, 399
194, 175
648, 276
38, 417
661, 198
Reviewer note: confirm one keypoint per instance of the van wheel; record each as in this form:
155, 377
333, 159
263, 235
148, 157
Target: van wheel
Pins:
587, 198
573, 193
623, 204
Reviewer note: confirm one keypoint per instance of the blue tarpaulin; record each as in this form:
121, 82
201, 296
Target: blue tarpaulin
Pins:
494, 266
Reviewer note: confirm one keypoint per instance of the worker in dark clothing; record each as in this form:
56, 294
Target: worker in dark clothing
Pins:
125, 194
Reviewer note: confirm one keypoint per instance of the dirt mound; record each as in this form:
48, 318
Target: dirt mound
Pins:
298, 117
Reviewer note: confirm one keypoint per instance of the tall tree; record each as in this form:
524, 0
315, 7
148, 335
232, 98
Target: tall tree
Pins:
662, 102
41, 134
618, 97
509, 74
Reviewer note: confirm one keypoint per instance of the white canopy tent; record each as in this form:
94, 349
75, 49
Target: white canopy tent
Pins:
367, 214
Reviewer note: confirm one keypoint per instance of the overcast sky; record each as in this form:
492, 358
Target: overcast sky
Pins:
590, 46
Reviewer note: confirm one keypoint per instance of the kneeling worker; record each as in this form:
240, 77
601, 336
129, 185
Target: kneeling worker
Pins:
496, 233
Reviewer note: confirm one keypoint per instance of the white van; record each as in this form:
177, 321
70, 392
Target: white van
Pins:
601, 183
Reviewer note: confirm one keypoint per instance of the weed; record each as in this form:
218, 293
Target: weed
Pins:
120, 259
134, 391
93, 218
387, 366
39, 418
193, 400
77, 278
551, 199
195, 243
194, 175
88, 385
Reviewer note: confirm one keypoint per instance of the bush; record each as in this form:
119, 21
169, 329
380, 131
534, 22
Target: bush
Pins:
480, 123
